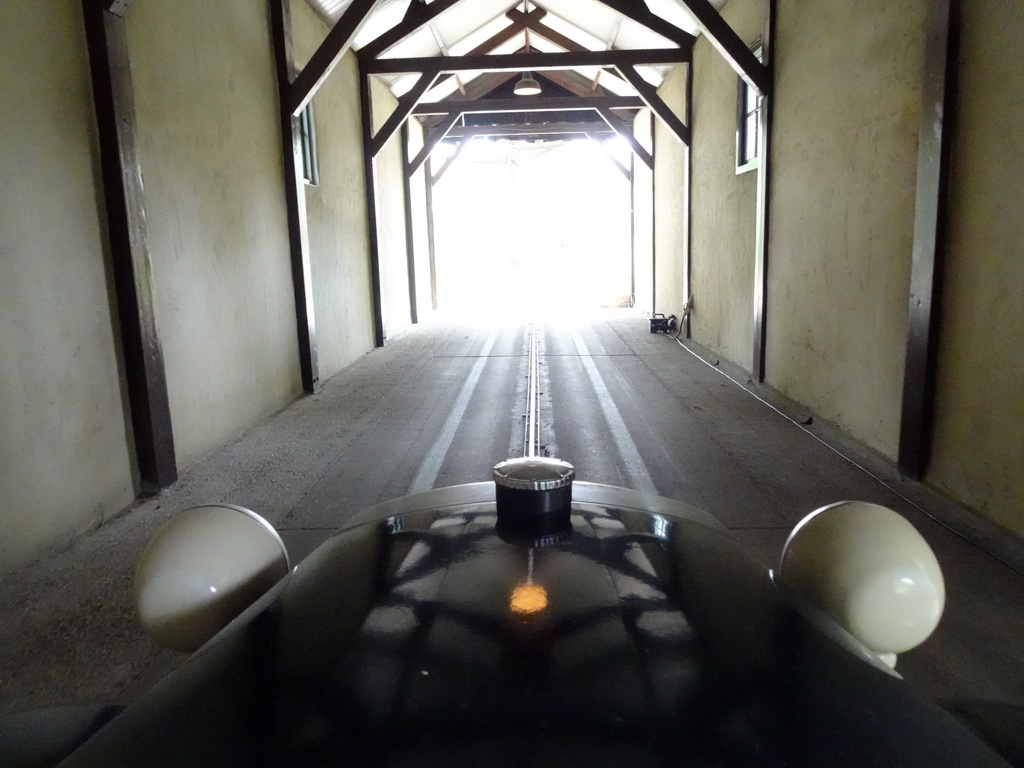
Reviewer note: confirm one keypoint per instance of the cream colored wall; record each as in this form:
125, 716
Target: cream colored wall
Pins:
336, 209
844, 154
210, 147
724, 202
670, 204
643, 213
979, 415
394, 269
64, 451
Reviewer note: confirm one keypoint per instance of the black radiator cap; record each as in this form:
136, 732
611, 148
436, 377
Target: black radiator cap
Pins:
534, 497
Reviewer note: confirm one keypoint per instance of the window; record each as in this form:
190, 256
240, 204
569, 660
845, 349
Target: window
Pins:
748, 128
310, 164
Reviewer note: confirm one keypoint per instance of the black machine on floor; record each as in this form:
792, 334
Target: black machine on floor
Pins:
662, 324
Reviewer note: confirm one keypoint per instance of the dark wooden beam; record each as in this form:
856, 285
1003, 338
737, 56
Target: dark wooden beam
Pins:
574, 83
531, 130
626, 132
430, 180
410, 240
933, 163
433, 138
532, 104
728, 43
370, 185
761, 220
650, 96
141, 348
552, 36
459, 146
295, 197
476, 88
498, 39
416, 17
640, 13
515, 62
405, 107
334, 46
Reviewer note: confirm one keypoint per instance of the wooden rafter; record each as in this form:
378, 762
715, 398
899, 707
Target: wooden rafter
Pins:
406, 104
574, 83
433, 139
650, 96
625, 132
516, 62
476, 89
640, 13
533, 104
496, 40
728, 43
415, 18
551, 35
597, 127
334, 46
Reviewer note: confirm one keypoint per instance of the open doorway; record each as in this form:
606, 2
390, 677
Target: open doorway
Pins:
528, 224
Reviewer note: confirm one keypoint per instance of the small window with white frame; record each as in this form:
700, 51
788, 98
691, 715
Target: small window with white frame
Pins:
310, 162
748, 126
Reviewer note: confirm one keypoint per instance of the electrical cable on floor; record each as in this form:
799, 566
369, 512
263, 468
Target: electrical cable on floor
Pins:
842, 455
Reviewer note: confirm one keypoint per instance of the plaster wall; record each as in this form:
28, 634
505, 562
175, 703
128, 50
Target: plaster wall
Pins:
643, 217
724, 202
670, 204
390, 178
210, 148
844, 154
979, 413
64, 451
339, 248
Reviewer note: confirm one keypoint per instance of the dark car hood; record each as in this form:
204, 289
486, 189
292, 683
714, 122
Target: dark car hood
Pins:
420, 637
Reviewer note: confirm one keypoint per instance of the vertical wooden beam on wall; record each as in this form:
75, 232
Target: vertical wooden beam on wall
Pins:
632, 229
295, 196
933, 158
129, 243
761, 210
654, 214
688, 190
428, 179
370, 180
410, 241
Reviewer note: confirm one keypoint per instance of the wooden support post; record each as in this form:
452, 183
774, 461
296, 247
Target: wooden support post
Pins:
762, 205
933, 161
295, 197
688, 182
429, 180
410, 240
146, 379
370, 181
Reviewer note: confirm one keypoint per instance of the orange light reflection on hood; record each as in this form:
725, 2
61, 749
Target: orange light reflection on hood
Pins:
528, 598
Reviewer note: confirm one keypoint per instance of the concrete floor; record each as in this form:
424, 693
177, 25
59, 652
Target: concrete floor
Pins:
441, 405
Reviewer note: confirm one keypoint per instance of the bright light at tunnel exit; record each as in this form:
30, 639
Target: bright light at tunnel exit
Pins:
527, 229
